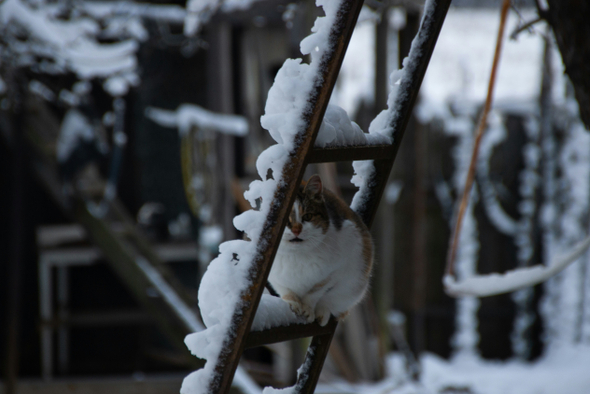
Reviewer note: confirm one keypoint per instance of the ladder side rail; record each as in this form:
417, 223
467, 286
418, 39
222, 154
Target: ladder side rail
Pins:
419, 57
434, 16
273, 227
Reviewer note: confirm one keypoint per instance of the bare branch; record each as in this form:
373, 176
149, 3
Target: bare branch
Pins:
524, 27
480, 130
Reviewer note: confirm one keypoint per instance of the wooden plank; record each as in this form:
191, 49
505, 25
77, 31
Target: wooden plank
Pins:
287, 333
350, 153
150, 384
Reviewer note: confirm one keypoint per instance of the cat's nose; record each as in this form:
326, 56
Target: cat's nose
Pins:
296, 229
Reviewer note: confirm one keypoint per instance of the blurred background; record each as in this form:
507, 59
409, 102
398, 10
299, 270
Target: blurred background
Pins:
129, 132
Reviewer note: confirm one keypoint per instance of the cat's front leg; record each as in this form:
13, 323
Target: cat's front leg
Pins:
322, 314
298, 307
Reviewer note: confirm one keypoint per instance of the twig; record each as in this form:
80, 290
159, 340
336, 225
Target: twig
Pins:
480, 130
527, 25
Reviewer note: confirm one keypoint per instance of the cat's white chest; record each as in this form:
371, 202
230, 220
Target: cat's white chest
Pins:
300, 267
299, 271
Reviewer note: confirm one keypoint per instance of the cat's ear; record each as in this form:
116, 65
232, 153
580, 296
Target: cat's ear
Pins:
314, 185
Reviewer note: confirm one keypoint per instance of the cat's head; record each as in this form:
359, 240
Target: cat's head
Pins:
308, 221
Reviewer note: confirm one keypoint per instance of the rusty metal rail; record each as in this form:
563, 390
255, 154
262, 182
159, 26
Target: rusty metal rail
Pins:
303, 154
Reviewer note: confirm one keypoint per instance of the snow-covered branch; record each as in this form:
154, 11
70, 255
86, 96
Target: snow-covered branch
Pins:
493, 284
56, 45
198, 12
160, 12
189, 115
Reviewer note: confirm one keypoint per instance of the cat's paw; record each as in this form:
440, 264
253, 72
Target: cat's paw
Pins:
322, 315
302, 310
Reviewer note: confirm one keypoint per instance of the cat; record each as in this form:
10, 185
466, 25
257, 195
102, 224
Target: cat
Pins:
323, 263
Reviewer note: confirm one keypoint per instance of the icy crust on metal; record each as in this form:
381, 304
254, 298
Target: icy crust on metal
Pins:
228, 276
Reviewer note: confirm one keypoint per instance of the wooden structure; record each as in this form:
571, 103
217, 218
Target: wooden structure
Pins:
304, 153
125, 248
58, 261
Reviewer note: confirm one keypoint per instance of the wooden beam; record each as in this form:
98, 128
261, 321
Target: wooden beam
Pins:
350, 153
128, 256
287, 333
158, 384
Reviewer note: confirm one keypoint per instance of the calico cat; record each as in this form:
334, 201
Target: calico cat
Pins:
324, 260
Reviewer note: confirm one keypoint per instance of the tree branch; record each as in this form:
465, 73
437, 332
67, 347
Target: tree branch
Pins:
480, 131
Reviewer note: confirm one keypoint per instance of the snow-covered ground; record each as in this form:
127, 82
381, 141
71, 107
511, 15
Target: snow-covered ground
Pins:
562, 372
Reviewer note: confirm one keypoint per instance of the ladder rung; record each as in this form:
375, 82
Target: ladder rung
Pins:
350, 153
286, 333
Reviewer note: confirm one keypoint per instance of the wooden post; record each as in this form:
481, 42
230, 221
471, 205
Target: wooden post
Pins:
16, 260
221, 98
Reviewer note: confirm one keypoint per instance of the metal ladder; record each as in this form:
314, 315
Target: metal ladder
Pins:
303, 154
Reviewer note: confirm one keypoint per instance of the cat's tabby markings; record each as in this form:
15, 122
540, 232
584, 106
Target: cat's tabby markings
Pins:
324, 261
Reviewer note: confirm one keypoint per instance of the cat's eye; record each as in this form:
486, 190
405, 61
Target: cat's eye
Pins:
307, 217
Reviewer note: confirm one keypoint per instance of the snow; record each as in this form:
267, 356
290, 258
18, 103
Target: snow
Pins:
393, 191
286, 99
274, 312
462, 71
461, 127
363, 173
188, 116
199, 12
563, 306
524, 238
182, 309
74, 127
71, 45
338, 130
494, 136
125, 9
228, 276
486, 285
565, 372
562, 372
41, 90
